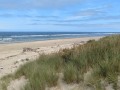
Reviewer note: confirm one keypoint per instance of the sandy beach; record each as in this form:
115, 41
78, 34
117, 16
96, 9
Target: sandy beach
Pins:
12, 56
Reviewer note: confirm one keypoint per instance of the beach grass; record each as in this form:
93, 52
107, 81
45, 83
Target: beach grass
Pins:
102, 57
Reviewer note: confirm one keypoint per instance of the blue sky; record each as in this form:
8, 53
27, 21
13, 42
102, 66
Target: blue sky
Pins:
60, 15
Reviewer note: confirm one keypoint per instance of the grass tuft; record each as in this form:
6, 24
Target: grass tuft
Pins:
102, 56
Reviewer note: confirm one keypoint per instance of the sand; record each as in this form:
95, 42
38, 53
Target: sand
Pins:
12, 55
17, 84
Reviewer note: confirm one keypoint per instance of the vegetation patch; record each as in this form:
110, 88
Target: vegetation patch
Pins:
102, 56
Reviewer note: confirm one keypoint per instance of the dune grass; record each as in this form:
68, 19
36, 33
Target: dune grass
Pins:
42, 72
102, 56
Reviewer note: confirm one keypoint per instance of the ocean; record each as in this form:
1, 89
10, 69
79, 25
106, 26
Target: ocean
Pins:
17, 37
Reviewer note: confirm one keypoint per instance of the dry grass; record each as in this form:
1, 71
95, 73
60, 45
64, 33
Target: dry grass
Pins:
102, 56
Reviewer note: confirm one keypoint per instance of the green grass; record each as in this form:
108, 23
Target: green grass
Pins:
41, 72
4, 81
102, 56
71, 74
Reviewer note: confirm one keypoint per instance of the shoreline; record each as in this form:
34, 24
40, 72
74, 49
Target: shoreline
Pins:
51, 39
60, 41
46, 40
12, 55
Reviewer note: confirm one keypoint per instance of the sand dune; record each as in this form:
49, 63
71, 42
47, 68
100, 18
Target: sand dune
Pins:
12, 55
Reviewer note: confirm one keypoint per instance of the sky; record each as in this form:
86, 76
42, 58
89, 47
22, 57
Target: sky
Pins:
60, 15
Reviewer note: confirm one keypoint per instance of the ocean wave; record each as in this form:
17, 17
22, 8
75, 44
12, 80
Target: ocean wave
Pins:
6, 39
9, 38
84, 34
68, 34
17, 36
33, 37
105, 33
